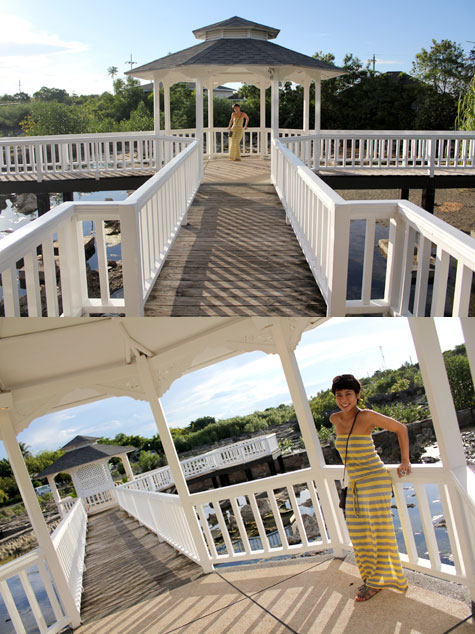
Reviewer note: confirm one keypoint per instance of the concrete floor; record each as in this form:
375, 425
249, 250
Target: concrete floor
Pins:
309, 594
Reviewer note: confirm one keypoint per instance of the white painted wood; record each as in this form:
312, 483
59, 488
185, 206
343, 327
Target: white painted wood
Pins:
437, 388
462, 292
306, 424
146, 379
439, 292
275, 108
368, 260
422, 278
36, 517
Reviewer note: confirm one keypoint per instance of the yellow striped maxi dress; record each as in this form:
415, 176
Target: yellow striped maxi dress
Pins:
368, 514
235, 140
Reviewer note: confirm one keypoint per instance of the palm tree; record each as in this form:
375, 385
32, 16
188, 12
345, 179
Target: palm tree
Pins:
112, 71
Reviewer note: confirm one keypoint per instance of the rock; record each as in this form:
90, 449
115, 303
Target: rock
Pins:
25, 203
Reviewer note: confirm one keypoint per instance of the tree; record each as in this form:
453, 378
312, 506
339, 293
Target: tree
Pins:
52, 94
112, 72
444, 66
54, 118
466, 108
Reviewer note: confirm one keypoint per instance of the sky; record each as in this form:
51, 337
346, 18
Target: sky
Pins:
71, 45
246, 383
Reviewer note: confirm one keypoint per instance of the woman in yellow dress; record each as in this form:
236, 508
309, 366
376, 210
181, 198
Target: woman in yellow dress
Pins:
368, 505
239, 122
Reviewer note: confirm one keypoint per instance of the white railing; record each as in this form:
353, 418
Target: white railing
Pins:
162, 514
28, 578
238, 453
65, 505
424, 253
86, 154
47, 257
100, 500
69, 539
388, 150
296, 512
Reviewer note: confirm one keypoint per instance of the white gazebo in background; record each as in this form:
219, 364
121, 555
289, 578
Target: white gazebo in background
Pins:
93, 359
87, 462
236, 50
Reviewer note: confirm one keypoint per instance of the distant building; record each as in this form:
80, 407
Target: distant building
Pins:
223, 92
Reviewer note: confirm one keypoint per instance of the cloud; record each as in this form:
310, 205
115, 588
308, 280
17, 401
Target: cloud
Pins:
39, 58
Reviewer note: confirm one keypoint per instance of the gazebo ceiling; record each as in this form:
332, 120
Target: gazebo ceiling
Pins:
53, 364
249, 57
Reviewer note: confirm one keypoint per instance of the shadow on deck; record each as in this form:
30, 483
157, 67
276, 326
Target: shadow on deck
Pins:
125, 565
236, 255
134, 584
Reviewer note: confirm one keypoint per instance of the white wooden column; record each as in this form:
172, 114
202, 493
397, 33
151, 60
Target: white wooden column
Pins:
210, 141
54, 491
156, 105
146, 380
309, 433
128, 469
262, 122
275, 109
166, 98
306, 106
37, 520
318, 104
436, 384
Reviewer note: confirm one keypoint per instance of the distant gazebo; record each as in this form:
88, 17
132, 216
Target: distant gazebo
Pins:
236, 50
86, 461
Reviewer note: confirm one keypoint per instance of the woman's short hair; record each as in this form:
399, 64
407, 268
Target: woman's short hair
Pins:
346, 382
237, 104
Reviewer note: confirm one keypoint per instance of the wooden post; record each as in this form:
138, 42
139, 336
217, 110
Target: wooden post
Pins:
36, 518
148, 385
156, 105
128, 469
306, 106
309, 433
166, 90
318, 111
210, 140
68, 197
428, 199
43, 202
275, 108
404, 194
262, 122
54, 491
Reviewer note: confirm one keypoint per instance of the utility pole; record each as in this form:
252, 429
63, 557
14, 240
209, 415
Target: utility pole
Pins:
374, 62
130, 61
384, 361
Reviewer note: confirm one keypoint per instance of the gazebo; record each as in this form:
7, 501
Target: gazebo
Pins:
86, 461
236, 50
92, 359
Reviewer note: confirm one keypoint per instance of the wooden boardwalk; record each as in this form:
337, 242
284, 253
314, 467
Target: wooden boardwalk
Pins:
125, 564
236, 255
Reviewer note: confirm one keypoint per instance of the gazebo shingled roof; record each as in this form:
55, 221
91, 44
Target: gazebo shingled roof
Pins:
79, 441
84, 455
226, 51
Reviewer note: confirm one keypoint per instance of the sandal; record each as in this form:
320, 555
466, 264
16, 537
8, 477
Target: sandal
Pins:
365, 593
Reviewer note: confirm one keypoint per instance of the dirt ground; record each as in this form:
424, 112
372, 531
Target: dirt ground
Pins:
454, 206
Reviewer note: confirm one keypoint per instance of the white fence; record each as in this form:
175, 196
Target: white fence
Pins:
69, 539
296, 512
163, 514
43, 265
99, 154
423, 252
28, 578
238, 453
385, 150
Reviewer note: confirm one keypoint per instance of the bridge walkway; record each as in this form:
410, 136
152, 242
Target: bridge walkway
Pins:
236, 255
135, 584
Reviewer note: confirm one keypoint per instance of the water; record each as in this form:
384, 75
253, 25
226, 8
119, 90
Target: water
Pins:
23, 607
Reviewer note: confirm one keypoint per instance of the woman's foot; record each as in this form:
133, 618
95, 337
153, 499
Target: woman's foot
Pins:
365, 593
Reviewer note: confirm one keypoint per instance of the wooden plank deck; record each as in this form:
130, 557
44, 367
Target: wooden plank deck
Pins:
125, 565
236, 255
